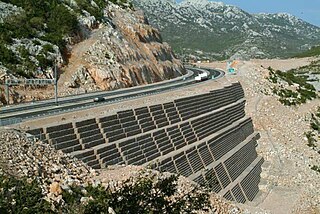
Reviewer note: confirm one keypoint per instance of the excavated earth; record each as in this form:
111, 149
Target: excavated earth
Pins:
124, 51
57, 172
288, 185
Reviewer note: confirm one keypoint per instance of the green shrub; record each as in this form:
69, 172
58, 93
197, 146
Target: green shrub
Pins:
47, 48
24, 53
51, 19
307, 94
304, 92
21, 196
311, 141
145, 196
316, 168
314, 51
7, 57
96, 12
315, 130
36, 42
44, 62
315, 122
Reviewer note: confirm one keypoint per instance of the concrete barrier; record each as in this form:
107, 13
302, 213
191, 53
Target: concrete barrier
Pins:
141, 111
85, 122
58, 128
86, 128
203, 137
108, 118
155, 107
125, 114
158, 112
183, 166
195, 160
91, 138
66, 144
64, 139
205, 155
110, 123
61, 133
212, 181
89, 133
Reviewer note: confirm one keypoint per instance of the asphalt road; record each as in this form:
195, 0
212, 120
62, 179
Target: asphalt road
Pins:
18, 113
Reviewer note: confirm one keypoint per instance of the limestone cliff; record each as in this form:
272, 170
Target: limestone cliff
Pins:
125, 51
99, 45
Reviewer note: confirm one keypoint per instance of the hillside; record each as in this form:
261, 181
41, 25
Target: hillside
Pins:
290, 175
213, 30
313, 51
289, 184
37, 178
98, 45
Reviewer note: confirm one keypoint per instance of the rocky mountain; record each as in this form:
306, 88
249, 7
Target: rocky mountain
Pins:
215, 30
98, 44
124, 52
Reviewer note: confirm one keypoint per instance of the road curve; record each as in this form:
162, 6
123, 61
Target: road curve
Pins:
18, 113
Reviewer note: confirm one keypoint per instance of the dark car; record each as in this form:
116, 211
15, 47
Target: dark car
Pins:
99, 99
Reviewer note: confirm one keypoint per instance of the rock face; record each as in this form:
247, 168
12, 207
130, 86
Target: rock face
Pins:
111, 50
23, 157
123, 52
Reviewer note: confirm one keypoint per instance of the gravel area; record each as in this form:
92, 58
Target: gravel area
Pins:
288, 184
56, 171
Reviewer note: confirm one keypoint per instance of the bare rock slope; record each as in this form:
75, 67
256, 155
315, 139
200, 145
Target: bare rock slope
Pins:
125, 51
109, 46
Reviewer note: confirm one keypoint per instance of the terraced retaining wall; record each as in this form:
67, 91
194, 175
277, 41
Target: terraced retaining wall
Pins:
206, 138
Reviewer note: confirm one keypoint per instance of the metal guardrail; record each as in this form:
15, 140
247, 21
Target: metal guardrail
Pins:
10, 121
13, 82
77, 98
88, 104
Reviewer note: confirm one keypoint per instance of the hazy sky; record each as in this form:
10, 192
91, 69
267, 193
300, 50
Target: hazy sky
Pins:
308, 10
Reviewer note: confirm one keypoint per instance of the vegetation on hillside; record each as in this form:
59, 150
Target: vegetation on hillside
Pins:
314, 51
244, 35
142, 195
312, 68
21, 196
298, 90
313, 136
46, 23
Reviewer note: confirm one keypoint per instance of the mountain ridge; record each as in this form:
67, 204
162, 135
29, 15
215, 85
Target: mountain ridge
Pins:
246, 35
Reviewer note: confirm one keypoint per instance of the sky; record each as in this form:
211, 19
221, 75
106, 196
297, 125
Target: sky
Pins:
308, 10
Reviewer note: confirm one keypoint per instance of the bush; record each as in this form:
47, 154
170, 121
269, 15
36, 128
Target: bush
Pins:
51, 19
311, 141
316, 168
144, 196
48, 20
7, 57
304, 92
47, 48
21, 196
314, 51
